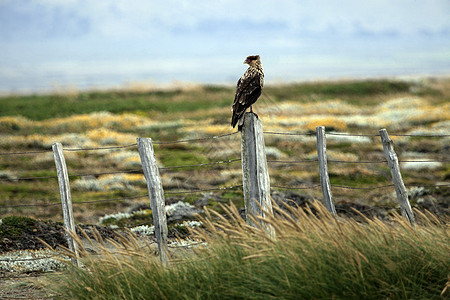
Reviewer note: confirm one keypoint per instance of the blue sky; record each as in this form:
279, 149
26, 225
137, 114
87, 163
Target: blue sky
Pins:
84, 44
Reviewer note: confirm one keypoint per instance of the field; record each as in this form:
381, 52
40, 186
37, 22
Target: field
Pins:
116, 118
181, 121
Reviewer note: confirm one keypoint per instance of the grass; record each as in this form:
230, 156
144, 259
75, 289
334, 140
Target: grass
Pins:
40, 107
351, 90
109, 118
314, 256
15, 225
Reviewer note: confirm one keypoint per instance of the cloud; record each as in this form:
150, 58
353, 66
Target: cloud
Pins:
147, 19
183, 39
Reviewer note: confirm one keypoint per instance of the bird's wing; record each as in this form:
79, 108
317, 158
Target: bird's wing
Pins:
247, 92
246, 86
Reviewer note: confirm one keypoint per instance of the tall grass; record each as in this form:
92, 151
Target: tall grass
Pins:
314, 256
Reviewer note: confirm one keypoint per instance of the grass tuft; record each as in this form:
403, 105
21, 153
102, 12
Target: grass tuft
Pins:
314, 256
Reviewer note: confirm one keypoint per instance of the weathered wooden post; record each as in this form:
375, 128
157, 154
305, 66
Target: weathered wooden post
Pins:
323, 170
255, 174
400, 190
156, 195
66, 198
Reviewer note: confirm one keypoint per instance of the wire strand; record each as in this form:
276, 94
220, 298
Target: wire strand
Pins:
24, 152
296, 187
199, 165
193, 140
362, 188
100, 148
288, 133
292, 161
203, 190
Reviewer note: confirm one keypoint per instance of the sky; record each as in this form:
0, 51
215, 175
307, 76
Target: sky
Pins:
83, 44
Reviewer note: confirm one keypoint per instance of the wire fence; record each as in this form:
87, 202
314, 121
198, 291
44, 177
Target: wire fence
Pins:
44, 203
139, 171
216, 163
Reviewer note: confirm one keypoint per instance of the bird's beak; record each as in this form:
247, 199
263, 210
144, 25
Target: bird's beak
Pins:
245, 61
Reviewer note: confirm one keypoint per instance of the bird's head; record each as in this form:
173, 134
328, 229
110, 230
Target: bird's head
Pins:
252, 60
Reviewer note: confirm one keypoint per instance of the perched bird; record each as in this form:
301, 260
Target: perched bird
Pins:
248, 89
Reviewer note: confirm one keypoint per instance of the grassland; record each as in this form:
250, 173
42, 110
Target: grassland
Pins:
313, 257
115, 118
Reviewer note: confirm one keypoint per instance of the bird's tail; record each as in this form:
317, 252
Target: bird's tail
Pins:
234, 120
237, 120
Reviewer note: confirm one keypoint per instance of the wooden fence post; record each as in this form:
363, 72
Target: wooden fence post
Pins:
323, 169
156, 195
255, 174
400, 190
66, 198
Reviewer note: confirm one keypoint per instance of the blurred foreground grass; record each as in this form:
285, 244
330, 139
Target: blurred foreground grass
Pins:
314, 256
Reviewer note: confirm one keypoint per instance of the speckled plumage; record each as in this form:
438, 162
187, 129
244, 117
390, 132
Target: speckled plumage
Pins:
248, 89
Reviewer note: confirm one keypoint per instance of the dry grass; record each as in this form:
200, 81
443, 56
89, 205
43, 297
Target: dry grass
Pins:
313, 256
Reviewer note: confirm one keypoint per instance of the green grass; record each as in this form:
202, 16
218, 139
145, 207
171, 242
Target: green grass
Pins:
15, 225
312, 257
40, 107
352, 90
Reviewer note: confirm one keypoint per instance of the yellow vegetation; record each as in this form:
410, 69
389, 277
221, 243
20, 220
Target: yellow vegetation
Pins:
96, 120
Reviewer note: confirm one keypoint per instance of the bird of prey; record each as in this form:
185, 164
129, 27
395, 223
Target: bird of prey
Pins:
248, 89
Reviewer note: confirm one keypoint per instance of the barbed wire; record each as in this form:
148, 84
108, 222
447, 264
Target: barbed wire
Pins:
193, 140
123, 198
304, 187
292, 161
124, 146
328, 160
25, 152
72, 175
218, 136
362, 188
288, 133
140, 171
355, 134
352, 134
203, 190
421, 135
204, 164
296, 187
28, 178
425, 161
100, 148
390, 134
351, 162
77, 202
106, 173
210, 164
388, 185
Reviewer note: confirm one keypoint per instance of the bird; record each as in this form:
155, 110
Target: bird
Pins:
248, 89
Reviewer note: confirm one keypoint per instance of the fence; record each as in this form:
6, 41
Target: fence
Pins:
256, 182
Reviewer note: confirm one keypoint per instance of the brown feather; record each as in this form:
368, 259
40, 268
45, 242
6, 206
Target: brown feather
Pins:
248, 88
